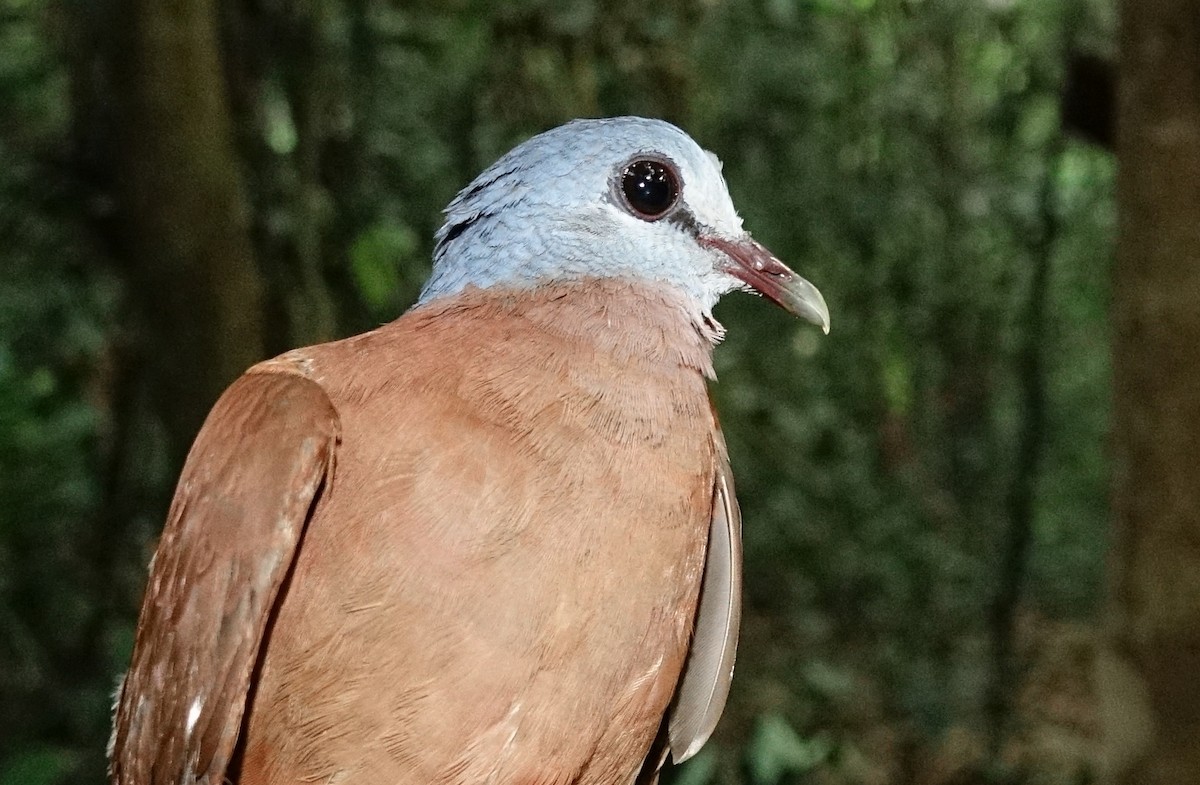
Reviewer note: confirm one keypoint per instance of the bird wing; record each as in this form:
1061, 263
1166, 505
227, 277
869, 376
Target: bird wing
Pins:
704, 684
257, 469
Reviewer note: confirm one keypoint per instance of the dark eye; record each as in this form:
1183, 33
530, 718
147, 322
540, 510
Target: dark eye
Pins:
651, 188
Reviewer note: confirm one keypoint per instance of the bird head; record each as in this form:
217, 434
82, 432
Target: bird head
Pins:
618, 197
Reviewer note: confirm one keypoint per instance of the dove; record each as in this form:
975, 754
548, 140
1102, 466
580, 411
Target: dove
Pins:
493, 541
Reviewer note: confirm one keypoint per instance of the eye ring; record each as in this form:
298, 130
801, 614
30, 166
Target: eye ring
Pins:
649, 188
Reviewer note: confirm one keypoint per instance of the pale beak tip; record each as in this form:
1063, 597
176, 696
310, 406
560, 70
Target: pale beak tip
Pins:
805, 300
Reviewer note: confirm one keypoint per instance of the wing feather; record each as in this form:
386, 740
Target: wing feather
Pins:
708, 671
259, 465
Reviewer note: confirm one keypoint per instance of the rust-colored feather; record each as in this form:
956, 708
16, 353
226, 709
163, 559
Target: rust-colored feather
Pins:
247, 490
501, 586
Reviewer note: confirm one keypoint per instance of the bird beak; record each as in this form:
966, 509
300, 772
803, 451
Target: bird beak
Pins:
758, 268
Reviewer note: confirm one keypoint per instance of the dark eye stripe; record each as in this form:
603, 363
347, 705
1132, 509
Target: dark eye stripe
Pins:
651, 188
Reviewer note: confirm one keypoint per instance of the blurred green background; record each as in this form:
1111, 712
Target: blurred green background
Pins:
188, 186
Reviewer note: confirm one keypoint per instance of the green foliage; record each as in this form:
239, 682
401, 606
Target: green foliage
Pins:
377, 257
55, 323
776, 750
910, 163
905, 155
700, 770
38, 766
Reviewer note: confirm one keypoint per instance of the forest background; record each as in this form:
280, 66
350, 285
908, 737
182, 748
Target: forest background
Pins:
972, 512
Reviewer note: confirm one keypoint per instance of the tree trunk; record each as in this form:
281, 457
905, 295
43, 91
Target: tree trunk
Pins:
1156, 369
184, 211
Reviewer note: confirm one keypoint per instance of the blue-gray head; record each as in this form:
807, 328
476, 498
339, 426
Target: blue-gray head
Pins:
618, 197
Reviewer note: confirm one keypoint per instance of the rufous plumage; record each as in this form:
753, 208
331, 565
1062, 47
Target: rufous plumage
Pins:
493, 541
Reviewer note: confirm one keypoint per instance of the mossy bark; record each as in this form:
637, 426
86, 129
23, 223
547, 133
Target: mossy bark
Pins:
1156, 368
183, 206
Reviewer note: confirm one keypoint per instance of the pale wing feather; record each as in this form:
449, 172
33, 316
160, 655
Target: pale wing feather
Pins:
708, 671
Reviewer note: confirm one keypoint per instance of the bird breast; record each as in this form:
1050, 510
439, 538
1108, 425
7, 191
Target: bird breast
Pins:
499, 584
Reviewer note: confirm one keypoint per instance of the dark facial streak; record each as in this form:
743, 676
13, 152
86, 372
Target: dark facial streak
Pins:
682, 219
482, 184
452, 232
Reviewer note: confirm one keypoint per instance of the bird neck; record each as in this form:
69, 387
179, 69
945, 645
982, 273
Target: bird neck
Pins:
642, 323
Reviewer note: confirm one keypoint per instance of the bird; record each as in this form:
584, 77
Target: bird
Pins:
495, 540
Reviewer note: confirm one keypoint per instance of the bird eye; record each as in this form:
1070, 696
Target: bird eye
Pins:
651, 188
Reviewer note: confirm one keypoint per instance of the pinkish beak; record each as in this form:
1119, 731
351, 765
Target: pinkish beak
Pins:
752, 264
